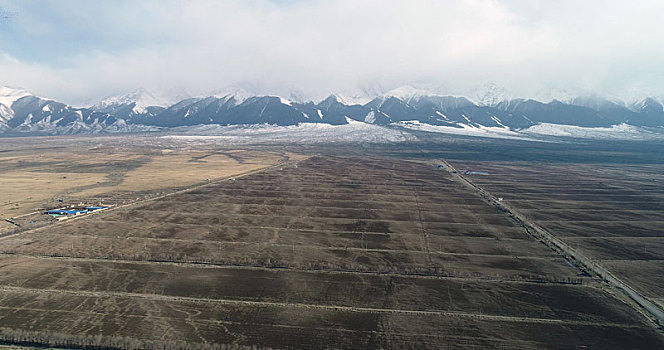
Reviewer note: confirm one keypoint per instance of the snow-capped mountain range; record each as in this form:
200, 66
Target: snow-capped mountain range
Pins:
139, 111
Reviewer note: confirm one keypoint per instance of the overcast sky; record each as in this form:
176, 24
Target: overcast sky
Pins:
80, 51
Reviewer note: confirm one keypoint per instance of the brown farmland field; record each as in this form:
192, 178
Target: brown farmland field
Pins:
326, 251
610, 213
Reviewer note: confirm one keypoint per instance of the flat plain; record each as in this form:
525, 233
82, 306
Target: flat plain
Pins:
611, 213
324, 251
43, 173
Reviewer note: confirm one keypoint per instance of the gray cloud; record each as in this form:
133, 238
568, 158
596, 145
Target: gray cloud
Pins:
79, 51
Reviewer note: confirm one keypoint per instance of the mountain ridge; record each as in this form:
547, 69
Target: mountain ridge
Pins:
131, 112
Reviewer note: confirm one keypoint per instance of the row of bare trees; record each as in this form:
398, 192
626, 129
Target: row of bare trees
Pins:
343, 265
46, 339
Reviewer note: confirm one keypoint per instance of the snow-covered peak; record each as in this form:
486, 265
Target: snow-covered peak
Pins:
563, 95
297, 96
8, 95
490, 95
648, 104
351, 99
141, 97
407, 93
238, 94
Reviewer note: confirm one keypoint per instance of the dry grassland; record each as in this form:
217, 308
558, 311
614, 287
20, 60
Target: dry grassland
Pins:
34, 175
175, 169
24, 191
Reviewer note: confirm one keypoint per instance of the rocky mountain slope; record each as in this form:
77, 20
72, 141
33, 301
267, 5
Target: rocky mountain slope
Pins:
22, 112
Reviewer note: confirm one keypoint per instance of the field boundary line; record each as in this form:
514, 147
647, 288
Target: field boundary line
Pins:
192, 214
315, 247
490, 317
206, 265
645, 305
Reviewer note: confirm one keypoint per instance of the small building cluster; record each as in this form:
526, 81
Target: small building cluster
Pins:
65, 213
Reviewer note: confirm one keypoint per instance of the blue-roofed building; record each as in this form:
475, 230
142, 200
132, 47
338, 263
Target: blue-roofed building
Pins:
66, 212
95, 208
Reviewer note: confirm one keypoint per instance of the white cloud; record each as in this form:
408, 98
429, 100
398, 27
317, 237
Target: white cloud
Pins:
317, 47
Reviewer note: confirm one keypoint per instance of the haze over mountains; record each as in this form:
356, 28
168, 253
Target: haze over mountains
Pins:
24, 113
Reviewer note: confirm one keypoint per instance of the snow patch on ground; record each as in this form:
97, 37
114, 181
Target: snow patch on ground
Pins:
138, 109
6, 113
616, 132
544, 131
284, 101
499, 122
442, 115
304, 133
466, 130
370, 118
